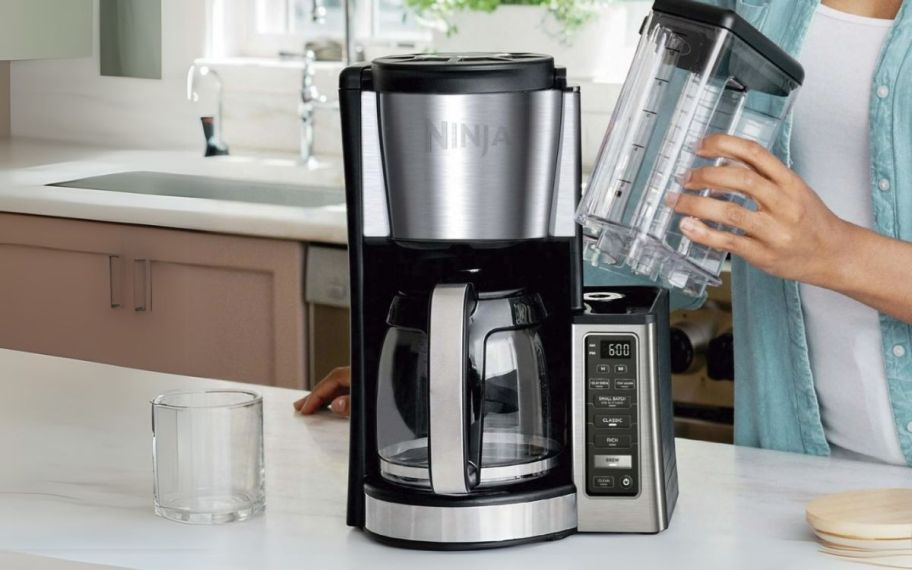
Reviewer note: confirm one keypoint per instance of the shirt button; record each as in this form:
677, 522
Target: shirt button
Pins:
899, 350
884, 184
909, 427
883, 91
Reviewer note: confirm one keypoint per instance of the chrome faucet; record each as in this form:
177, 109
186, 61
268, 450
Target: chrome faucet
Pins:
212, 125
311, 100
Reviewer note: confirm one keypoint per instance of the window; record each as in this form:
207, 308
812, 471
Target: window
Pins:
285, 25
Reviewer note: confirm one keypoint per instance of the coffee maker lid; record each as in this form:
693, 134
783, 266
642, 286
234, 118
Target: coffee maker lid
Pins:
471, 72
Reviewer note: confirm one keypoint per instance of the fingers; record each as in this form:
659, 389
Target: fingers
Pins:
734, 178
697, 231
335, 384
341, 406
727, 213
749, 152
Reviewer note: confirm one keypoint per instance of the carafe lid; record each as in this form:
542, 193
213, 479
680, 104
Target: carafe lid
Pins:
470, 72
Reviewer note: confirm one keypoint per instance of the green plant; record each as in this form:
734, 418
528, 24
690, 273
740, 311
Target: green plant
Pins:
569, 16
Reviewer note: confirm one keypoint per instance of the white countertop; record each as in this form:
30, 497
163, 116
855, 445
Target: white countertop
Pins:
76, 483
27, 165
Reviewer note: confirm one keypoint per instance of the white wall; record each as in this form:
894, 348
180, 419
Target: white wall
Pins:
70, 100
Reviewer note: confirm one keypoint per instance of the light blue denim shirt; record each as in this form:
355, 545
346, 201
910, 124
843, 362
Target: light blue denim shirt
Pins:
775, 402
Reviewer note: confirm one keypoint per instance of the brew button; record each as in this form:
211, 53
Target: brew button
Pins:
602, 368
626, 481
603, 481
899, 350
611, 441
624, 384
883, 91
613, 461
621, 369
612, 421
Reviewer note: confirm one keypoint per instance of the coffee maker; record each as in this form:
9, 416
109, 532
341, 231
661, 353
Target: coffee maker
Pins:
485, 410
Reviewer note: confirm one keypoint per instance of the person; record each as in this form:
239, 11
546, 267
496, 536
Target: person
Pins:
821, 308
331, 391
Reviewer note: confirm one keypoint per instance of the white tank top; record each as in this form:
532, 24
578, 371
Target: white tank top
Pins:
830, 151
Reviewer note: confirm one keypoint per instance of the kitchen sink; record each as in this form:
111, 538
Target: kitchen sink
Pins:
165, 184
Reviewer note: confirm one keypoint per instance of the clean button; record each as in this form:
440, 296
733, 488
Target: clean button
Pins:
899, 350
884, 184
603, 482
883, 91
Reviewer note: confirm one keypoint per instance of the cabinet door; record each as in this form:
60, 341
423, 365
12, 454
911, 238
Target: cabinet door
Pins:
59, 297
36, 29
168, 300
215, 305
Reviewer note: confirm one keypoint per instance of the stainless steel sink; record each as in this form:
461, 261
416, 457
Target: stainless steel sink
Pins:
164, 184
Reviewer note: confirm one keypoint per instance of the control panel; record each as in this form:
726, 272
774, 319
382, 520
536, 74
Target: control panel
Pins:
612, 445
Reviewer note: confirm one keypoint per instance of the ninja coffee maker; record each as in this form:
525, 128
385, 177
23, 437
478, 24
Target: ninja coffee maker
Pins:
494, 399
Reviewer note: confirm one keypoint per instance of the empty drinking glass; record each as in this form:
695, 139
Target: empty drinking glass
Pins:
207, 450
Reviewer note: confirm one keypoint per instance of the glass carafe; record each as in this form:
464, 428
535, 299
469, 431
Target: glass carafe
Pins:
462, 393
698, 70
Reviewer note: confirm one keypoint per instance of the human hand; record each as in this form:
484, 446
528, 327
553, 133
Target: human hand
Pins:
792, 234
333, 388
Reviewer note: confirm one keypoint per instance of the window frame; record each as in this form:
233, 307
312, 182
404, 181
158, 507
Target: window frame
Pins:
253, 43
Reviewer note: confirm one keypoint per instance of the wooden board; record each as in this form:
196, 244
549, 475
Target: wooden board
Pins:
889, 545
870, 514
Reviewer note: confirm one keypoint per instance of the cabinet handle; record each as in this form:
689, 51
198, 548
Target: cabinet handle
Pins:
115, 281
142, 285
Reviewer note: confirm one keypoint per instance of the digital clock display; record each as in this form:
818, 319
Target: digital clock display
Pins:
616, 349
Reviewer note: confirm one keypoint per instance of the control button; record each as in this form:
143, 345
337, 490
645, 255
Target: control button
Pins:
626, 481
611, 441
603, 482
883, 91
599, 383
883, 184
621, 369
602, 369
624, 384
611, 421
899, 350
613, 461
614, 401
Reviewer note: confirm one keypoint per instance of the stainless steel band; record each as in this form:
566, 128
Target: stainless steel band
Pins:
471, 525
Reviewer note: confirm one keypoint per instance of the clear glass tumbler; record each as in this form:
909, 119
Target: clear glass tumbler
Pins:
207, 451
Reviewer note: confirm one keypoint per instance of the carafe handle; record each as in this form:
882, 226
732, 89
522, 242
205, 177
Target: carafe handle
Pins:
448, 362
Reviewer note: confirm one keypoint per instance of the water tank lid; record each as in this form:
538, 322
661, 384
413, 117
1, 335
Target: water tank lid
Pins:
453, 73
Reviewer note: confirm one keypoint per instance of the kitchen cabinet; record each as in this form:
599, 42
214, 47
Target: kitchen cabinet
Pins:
175, 301
42, 29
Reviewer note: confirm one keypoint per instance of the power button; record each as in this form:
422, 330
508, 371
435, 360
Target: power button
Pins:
626, 481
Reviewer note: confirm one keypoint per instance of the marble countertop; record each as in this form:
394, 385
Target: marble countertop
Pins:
76, 484
27, 165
